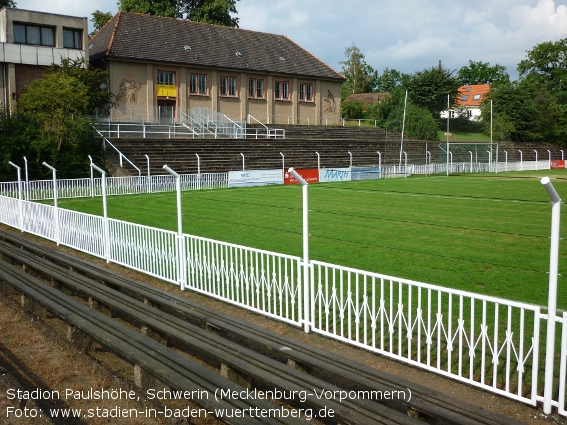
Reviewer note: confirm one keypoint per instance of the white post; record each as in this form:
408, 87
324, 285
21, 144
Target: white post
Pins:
521, 160
198, 170
242, 155
27, 188
306, 300
104, 213
318, 162
283, 163
506, 159
379, 159
535, 159
549, 158
428, 165
405, 163
489, 160
562, 158
149, 178
471, 161
92, 177
56, 210
552, 295
350, 161
180, 241
20, 200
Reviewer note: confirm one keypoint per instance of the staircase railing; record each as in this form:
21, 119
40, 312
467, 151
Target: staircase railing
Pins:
121, 156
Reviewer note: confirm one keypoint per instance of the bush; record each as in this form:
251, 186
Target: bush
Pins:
352, 110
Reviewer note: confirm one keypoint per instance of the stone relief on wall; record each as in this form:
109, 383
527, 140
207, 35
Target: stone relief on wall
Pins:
129, 90
329, 102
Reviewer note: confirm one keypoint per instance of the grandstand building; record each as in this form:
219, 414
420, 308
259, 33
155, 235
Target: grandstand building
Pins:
162, 68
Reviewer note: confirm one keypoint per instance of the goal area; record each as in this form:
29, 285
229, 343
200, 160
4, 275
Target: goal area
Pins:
473, 157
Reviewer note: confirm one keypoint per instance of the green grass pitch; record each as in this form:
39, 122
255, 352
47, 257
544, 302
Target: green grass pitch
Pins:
486, 234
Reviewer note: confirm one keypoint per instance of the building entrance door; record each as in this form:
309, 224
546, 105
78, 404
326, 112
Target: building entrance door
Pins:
166, 111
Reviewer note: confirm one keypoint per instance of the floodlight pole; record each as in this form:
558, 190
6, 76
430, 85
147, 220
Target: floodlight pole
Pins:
104, 213
306, 300
56, 210
552, 295
180, 241
20, 201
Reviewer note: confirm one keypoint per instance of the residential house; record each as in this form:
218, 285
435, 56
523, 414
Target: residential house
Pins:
31, 41
162, 68
468, 102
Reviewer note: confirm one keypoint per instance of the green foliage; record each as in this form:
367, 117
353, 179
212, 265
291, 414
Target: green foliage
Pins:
388, 81
219, 12
99, 19
167, 8
429, 88
352, 110
7, 3
360, 77
483, 73
546, 66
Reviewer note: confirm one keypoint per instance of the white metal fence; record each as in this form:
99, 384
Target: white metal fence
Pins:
484, 341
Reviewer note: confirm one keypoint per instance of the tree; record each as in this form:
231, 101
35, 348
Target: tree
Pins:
219, 12
546, 66
7, 3
515, 114
429, 88
388, 81
483, 73
99, 19
360, 77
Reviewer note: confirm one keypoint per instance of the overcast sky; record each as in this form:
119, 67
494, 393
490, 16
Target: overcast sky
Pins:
407, 35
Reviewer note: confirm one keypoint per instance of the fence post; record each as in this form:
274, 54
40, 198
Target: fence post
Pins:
306, 300
92, 177
106, 232
20, 201
180, 240
552, 295
56, 210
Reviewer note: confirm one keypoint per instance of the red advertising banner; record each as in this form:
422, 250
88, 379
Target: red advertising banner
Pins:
557, 163
310, 176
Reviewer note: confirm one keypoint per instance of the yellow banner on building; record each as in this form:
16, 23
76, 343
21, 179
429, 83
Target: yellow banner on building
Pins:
165, 90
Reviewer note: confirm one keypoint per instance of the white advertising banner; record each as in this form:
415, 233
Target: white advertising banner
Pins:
254, 177
334, 175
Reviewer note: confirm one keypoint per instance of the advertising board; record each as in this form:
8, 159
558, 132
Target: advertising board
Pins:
254, 177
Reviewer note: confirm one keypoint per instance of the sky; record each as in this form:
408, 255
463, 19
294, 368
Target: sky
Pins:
406, 35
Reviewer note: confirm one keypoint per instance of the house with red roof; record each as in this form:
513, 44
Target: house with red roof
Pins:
468, 102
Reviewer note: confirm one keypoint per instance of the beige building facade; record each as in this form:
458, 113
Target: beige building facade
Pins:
245, 75
31, 41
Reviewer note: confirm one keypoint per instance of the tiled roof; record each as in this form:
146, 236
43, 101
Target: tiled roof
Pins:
367, 98
135, 36
473, 95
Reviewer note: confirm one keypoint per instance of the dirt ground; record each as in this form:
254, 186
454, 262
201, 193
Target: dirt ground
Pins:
33, 355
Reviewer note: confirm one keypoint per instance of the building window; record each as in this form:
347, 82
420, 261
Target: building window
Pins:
255, 88
465, 97
166, 78
228, 86
281, 90
34, 34
306, 92
476, 97
198, 84
72, 39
